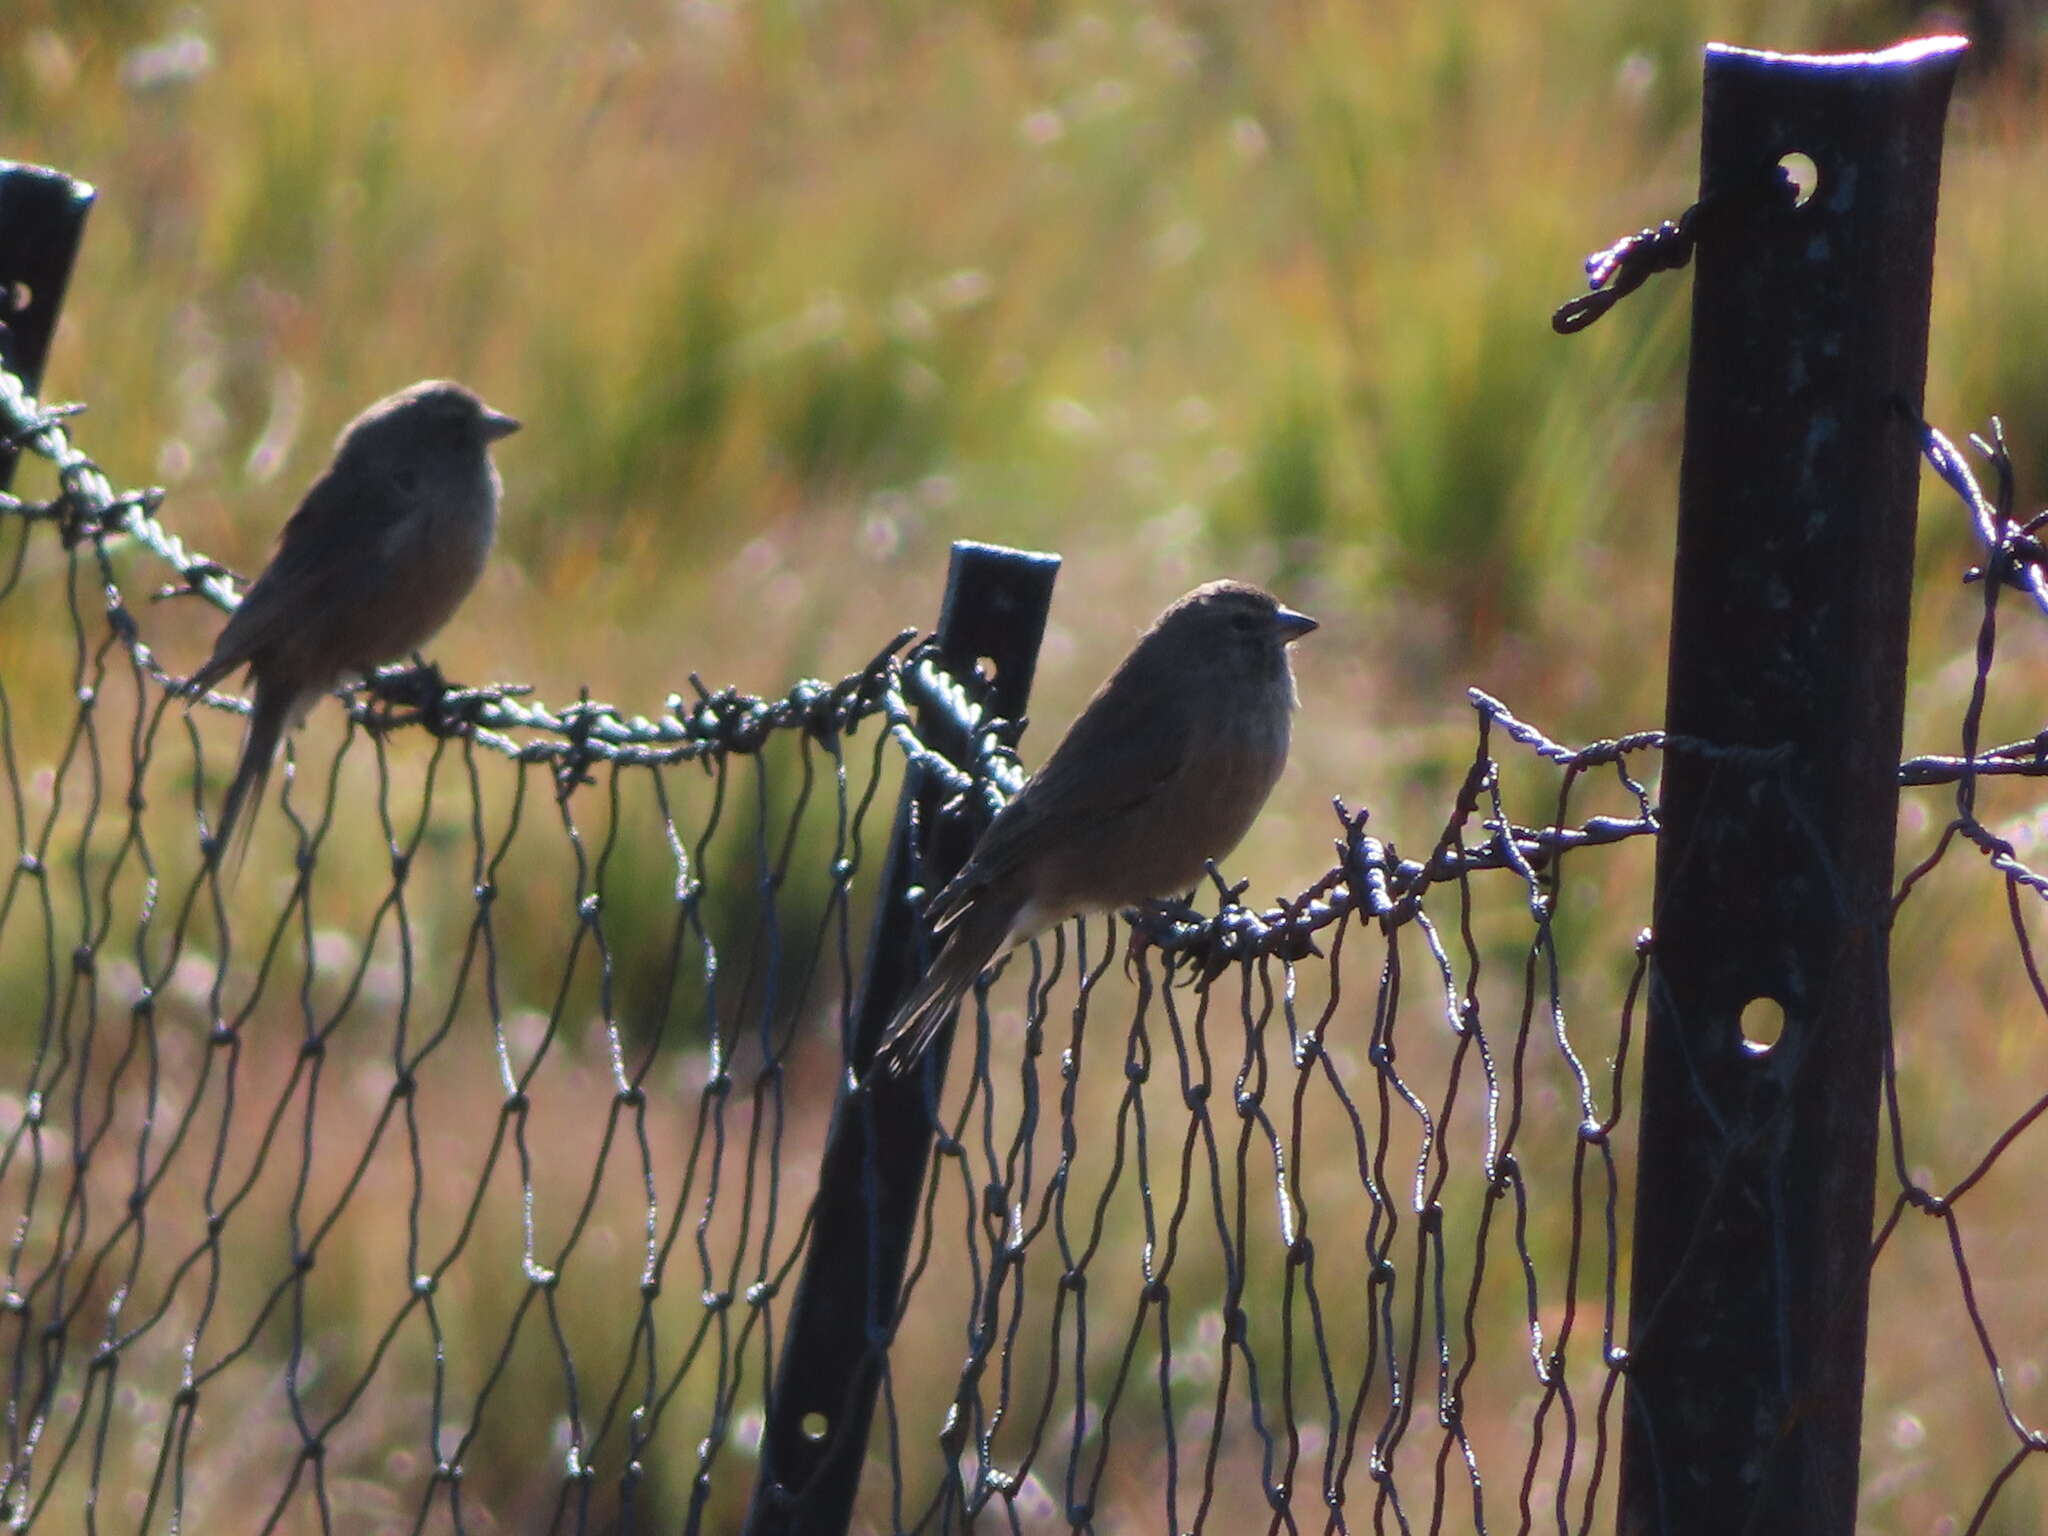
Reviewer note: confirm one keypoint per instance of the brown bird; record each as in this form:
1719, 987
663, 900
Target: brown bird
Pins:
382, 550
1164, 770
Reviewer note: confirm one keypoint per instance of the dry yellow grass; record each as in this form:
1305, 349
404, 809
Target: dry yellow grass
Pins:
790, 298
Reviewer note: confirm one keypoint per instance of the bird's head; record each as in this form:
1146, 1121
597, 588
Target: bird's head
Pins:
432, 415
1233, 617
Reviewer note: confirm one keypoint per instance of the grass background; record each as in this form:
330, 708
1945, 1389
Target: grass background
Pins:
791, 296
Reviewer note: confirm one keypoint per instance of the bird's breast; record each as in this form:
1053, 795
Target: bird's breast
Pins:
1161, 846
427, 562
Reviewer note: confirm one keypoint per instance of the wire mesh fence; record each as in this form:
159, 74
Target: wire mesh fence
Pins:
448, 1173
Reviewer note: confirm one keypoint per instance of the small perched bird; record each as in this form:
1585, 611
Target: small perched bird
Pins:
1165, 770
382, 550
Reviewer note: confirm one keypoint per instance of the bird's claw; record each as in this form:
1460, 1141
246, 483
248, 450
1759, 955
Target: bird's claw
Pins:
1164, 909
401, 695
1137, 944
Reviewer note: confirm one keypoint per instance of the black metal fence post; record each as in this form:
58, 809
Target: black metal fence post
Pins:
1789, 618
42, 220
814, 1442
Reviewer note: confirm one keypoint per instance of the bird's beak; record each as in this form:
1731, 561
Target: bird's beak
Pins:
1292, 625
497, 424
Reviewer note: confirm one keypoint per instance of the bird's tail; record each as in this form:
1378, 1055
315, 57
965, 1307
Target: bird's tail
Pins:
974, 944
259, 749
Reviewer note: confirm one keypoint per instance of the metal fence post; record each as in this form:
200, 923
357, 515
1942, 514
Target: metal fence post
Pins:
42, 220
814, 1442
1789, 617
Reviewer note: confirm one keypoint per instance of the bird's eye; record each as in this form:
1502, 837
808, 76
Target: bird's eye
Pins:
1244, 623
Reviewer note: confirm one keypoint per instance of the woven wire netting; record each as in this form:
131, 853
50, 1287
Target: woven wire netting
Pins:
448, 1171
1955, 1398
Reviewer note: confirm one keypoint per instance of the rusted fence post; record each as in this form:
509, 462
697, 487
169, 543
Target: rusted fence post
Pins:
814, 1442
1788, 633
42, 220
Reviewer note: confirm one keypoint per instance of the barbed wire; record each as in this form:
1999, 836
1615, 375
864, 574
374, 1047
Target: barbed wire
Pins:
1618, 270
2013, 561
459, 1190
572, 738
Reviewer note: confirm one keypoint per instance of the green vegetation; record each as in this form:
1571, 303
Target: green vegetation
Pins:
790, 296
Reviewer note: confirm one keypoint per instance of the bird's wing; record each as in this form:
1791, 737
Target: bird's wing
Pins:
334, 531
1110, 762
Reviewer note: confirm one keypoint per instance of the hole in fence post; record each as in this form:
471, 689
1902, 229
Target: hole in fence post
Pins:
986, 665
816, 1426
1791, 605
19, 297
1804, 175
1763, 1021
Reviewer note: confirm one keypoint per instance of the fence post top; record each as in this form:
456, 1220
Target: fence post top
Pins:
1945, 47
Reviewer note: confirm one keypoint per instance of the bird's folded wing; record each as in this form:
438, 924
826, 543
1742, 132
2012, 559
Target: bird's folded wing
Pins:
320, 555
1110, 764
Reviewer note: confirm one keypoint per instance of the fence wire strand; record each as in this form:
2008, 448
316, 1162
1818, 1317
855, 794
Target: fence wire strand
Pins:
455, 1181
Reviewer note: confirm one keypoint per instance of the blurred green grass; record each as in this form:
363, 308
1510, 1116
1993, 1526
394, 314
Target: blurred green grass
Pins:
791, 296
